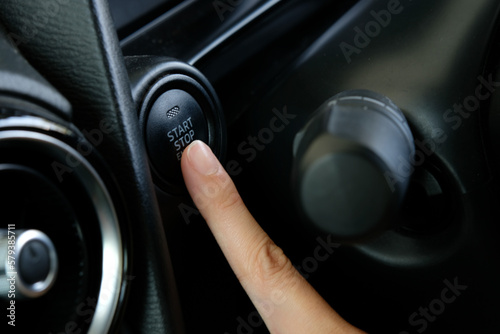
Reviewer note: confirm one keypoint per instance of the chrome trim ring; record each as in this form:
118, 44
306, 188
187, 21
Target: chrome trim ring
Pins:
112, 251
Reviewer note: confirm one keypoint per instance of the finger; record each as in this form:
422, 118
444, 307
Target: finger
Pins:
286, 302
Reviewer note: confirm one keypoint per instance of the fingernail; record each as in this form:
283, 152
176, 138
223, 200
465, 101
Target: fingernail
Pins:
202, 159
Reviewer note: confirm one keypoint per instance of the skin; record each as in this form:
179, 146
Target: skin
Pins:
284, 299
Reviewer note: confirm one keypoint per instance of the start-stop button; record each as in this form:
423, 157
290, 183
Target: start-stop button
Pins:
174, 121
176, 105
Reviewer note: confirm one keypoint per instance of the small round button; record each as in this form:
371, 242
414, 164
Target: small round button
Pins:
34, 262
174, 121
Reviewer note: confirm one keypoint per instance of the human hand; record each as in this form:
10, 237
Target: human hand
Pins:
284, 299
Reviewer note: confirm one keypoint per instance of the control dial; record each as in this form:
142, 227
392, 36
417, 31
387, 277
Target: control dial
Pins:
348, 175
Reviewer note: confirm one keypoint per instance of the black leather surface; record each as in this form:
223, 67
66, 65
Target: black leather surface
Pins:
21, 80
74, 45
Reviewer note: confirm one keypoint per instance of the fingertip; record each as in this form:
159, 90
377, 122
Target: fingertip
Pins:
201, 158
206, 180
210, 186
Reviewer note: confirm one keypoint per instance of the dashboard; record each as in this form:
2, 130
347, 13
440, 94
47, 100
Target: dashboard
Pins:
364, 137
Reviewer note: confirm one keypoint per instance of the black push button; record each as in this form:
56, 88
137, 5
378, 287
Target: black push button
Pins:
34, 262
177, 105
174, 121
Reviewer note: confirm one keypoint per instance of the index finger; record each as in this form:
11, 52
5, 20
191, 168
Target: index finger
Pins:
285, 300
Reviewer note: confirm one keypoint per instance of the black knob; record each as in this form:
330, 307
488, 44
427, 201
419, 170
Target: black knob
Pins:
348, 176
34, 262
29, 263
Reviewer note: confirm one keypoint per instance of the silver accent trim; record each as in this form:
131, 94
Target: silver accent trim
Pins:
112, 256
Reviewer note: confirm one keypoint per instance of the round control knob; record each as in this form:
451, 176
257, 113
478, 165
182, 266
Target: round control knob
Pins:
28, 263
348, 175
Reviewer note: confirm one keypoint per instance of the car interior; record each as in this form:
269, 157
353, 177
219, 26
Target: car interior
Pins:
362, 135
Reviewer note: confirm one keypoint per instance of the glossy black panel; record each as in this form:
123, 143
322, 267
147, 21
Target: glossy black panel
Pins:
190, 27
130, 15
